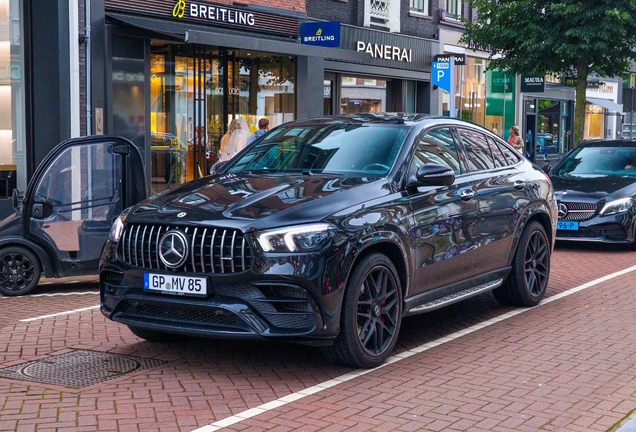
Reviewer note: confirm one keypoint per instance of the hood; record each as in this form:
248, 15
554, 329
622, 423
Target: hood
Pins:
258, 201
594, 188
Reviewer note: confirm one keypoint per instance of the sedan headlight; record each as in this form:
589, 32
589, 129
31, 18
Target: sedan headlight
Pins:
616, 206
302, 238
118, 227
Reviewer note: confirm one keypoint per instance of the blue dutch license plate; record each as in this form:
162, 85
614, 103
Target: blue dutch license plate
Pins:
568, 226
179, 285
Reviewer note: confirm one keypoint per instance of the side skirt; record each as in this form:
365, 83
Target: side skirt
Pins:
444, 296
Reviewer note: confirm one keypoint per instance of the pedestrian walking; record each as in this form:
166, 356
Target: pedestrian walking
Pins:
515, 139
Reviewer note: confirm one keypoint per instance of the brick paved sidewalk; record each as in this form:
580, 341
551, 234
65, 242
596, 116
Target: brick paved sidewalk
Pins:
566, 365
569, 365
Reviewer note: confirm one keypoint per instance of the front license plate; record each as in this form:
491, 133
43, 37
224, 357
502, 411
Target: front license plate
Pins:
179, 285
568, 226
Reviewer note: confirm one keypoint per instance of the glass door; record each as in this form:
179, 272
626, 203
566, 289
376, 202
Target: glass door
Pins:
186, 88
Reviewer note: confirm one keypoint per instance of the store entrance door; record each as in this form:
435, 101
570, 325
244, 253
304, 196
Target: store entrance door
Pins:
186, 105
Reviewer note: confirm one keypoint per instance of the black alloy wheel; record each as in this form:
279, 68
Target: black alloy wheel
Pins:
371, 315
528, 281
19, 271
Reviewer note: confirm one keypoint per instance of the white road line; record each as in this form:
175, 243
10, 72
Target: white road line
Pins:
229, 421
53, 295
60, 314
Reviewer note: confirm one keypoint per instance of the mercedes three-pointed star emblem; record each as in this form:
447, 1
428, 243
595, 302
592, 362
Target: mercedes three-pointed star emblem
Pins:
563, 210
173, 249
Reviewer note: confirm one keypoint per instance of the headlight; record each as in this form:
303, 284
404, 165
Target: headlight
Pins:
617, 206
303, 238
118, 227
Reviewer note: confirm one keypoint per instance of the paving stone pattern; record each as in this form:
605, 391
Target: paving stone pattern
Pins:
569, 365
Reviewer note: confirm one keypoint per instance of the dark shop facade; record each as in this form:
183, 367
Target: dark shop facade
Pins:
171, 75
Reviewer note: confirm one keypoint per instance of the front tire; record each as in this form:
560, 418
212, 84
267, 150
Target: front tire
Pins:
154, 335
20, 271
527, 283
371, 315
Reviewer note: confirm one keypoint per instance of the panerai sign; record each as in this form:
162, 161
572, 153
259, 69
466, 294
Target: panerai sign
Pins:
386, 52
212, 13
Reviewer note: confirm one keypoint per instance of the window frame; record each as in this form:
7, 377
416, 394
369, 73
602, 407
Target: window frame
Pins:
456, 9
420, 7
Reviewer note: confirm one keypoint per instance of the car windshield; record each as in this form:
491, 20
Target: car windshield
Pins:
545, 141
354, 150
598, 162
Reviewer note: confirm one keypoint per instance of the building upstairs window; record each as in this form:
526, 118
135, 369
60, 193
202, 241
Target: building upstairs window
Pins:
384, 13
419, 6
454, 9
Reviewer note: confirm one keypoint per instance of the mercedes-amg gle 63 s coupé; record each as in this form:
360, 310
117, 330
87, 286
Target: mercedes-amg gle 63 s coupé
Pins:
329, 231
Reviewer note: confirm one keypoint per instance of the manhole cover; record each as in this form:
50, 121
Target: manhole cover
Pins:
78, 368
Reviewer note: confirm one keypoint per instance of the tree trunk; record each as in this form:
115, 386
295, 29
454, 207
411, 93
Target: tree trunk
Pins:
582, 71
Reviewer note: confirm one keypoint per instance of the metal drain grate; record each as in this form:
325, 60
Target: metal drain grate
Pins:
78, 368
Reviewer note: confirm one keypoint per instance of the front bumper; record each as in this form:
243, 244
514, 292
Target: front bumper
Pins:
618, 228
294, 297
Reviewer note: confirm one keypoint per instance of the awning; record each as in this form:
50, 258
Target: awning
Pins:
607, 104
192, 33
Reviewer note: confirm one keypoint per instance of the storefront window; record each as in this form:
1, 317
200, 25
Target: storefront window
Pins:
594, 122
195, 92
362, 95
548, 120
12, 129
263, 86
470, 90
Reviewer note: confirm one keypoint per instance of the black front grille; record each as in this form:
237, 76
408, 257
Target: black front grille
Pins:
210, 250
578, 211
177, 314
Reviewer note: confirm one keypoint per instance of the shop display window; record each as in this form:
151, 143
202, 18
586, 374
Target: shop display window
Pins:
363, 95
594, 122
196, 92
12, 106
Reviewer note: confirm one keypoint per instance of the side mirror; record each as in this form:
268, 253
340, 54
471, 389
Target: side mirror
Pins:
432, 175
15, 199
547, 168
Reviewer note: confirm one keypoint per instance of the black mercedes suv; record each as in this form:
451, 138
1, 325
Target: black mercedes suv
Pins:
329, 231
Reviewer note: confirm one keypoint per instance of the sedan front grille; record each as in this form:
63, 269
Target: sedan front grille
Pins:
210, 250
578, 211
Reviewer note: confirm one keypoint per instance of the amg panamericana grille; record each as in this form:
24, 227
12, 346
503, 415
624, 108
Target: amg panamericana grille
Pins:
210, 250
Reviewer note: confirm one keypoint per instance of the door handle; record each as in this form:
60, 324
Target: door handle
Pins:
519, 184
466, 194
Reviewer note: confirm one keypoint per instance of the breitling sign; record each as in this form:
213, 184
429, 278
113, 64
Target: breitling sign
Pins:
212, 13
205, 12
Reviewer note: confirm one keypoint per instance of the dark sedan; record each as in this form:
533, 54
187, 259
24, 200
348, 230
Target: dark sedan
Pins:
595, 185
329, 231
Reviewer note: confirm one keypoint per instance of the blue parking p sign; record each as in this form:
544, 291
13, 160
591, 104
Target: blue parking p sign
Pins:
442, 75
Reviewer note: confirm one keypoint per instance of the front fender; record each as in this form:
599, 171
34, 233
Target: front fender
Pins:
542, 213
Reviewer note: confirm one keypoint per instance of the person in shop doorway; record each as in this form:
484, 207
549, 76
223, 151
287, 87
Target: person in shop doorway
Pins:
515, 140
263, 127
234, 140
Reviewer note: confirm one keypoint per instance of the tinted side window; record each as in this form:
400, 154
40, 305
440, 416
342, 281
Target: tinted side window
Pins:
437, 146
497, 155
511, 157
477, 150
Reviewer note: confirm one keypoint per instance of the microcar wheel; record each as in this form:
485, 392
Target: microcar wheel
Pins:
19, 271
371, 315
528, 281
154, 335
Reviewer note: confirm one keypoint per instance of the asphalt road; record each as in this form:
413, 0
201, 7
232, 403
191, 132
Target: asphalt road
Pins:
567, 364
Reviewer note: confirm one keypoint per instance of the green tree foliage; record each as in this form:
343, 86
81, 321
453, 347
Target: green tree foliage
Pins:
570, 37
